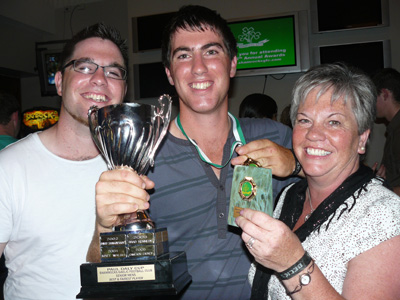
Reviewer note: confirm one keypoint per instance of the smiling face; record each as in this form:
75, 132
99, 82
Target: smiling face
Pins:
80, 91
200, 70
325, 138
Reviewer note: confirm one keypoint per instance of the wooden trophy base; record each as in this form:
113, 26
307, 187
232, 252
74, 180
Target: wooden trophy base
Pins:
165, 275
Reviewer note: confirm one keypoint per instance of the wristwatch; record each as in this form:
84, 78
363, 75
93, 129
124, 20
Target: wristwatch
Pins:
305, 279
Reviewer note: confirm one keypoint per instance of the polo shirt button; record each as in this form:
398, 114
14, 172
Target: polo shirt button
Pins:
221, 215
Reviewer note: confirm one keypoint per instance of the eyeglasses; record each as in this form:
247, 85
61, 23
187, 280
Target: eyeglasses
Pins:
88, 67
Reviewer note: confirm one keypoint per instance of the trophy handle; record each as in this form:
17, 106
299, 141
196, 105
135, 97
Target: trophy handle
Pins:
92, 115
165, 116
94, 130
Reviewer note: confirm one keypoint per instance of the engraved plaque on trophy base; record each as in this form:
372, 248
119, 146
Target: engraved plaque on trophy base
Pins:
166, 275
133, 245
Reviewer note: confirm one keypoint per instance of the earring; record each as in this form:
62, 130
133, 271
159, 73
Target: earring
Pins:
362, 148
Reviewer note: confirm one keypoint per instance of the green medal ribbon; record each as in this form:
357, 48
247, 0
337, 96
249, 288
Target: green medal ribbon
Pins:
237, 132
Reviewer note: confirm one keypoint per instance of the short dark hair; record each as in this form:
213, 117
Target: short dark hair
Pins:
99, 30
258, 106
9, 104
388, 78
197, 18
285, 116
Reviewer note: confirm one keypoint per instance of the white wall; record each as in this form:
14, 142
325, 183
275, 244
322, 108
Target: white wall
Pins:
20, 38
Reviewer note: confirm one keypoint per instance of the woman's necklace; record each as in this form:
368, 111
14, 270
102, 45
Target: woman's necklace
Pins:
312, 209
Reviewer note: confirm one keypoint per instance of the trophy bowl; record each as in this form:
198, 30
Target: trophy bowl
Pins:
128, 136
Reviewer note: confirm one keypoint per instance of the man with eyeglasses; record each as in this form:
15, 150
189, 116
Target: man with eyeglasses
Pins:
86, 66
47, 180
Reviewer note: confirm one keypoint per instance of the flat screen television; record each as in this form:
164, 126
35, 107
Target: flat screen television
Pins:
150, 81
47, 63
147, 31
272, 44
369, 56
348, 14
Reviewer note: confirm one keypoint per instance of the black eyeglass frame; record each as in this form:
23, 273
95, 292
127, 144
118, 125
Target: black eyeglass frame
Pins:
72, 62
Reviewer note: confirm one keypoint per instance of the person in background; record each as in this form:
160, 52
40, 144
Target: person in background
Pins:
336, 233
387, 82
191, 192
47, 179
10, 119
258, 106
285, 116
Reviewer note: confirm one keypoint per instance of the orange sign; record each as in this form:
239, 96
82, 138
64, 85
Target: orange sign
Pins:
40, 119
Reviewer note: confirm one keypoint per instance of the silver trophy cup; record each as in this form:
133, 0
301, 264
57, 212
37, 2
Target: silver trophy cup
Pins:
128, 136
135, 257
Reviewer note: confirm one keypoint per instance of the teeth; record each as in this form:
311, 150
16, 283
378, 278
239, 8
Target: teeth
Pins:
201, 85
95, 97
317, 152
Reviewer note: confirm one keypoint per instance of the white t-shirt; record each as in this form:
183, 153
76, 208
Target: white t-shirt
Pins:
47, 219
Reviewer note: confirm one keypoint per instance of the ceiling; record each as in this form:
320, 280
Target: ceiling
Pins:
66, 3
38, 14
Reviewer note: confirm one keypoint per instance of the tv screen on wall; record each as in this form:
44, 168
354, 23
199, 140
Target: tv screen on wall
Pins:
147, 31
368, 56
150, 81
348, 15
271, 44
47, 61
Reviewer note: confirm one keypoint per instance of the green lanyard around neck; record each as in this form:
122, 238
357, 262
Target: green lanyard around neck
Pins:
237, 132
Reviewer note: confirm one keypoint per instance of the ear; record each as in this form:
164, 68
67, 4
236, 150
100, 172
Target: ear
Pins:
385, 93
233, 67
15, 117
362, 143
170, 79
58, 82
